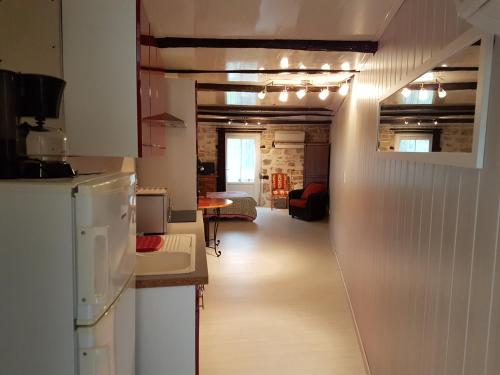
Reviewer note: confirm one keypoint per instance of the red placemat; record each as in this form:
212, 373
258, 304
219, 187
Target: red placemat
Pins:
146, 244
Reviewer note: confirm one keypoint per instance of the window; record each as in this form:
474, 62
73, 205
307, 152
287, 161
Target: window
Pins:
240, 160
407, 142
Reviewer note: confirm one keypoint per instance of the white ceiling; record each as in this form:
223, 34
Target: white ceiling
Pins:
276, 19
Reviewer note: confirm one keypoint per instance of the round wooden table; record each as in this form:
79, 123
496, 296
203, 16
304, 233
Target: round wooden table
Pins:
216, 204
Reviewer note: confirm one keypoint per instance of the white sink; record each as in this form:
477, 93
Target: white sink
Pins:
176, 256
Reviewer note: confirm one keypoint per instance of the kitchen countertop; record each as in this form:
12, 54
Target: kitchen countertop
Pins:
199, 276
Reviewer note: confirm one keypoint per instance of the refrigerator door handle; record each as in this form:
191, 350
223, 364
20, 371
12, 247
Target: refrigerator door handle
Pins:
93, 265
95, 361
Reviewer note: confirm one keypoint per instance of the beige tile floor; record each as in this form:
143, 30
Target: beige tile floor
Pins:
275, 303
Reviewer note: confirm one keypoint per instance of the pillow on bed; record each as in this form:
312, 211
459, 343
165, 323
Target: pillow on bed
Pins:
313, 188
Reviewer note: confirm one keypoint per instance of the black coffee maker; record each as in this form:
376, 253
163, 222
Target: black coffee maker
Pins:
28, 95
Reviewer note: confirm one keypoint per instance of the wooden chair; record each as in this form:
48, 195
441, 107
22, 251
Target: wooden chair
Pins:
279, 188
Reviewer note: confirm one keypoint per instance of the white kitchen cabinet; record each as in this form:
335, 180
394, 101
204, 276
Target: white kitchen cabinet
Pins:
100, 69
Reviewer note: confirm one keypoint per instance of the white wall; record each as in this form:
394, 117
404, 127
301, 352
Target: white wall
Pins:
176, 170
417, 243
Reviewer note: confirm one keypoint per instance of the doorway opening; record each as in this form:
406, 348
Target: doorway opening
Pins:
243, 163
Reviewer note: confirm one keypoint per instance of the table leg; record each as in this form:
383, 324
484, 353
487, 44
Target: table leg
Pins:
216, 228
206, 225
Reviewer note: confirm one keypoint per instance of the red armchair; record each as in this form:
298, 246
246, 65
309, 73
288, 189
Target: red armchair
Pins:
309, 203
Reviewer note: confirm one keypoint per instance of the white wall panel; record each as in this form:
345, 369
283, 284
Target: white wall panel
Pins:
417, 242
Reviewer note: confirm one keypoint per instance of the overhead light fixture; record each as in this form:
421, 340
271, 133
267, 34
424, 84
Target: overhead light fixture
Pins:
406, 122
345, 66
246, 122
261, 68
406, 92
258, 122
344, 89
302, 66
283, 95
444, 65
419, 123
441, 92
423, 94
301, 93
323, 94
435, 122
325, 67
284, 63
229, 122
261, 95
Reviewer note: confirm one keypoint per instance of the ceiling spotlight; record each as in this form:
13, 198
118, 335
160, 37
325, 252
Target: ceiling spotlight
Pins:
258, 122
323, 94
419, 123
246, 122
406, 92
435, 122
261, 95
302, 66
284, 63
229, 122
283, 95
441, 92
345, 66
406, 122
325, 67
423, 94
261, 68
344, 89
301, 93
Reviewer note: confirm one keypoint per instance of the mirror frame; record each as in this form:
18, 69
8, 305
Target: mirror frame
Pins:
473, 159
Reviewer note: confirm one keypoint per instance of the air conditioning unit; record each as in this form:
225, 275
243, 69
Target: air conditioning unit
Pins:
484, 14
289, 139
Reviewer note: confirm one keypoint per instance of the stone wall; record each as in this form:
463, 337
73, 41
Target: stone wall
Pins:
289, 161
454, 138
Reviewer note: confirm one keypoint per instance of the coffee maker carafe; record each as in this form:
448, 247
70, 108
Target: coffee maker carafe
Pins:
37, 96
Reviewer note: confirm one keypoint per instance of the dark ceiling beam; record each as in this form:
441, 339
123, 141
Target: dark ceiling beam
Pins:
269, 108
426, 113
265, 121
455, 69
457, 120
245, 71
426, 107
363, 46
260, 114
454, 86
230, 87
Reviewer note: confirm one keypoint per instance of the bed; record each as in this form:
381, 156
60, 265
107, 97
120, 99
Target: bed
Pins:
243, 207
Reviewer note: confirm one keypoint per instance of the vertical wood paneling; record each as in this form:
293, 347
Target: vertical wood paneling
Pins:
418, 243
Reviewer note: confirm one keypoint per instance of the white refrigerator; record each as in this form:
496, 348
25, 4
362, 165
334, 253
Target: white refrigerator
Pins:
67, 262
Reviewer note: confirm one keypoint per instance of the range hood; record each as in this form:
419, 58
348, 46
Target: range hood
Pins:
167, 119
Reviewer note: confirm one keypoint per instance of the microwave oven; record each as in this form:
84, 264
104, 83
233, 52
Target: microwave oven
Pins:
153, 210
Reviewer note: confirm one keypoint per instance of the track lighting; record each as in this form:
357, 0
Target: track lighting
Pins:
423, 94
324, 93
441, 92
344, 89
406, 92
301, 93
284, 63
261, 95
283, 95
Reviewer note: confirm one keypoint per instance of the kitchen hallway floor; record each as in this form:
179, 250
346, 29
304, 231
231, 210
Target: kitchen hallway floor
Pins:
275, 303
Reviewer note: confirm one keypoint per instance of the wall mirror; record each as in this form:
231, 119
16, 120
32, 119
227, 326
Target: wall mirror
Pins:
439, 114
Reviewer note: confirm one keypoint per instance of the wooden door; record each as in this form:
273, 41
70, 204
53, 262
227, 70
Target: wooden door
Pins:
316, 163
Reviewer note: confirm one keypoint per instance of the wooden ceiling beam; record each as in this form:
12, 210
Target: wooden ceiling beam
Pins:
455, 69
269, 108
426, 113
427, 107
457, 120
260, 114
453, 86
232, 87
265, 121
245, 71
362, 46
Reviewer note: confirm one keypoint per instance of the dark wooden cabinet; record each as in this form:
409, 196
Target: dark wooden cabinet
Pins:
207, 183
316, 163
